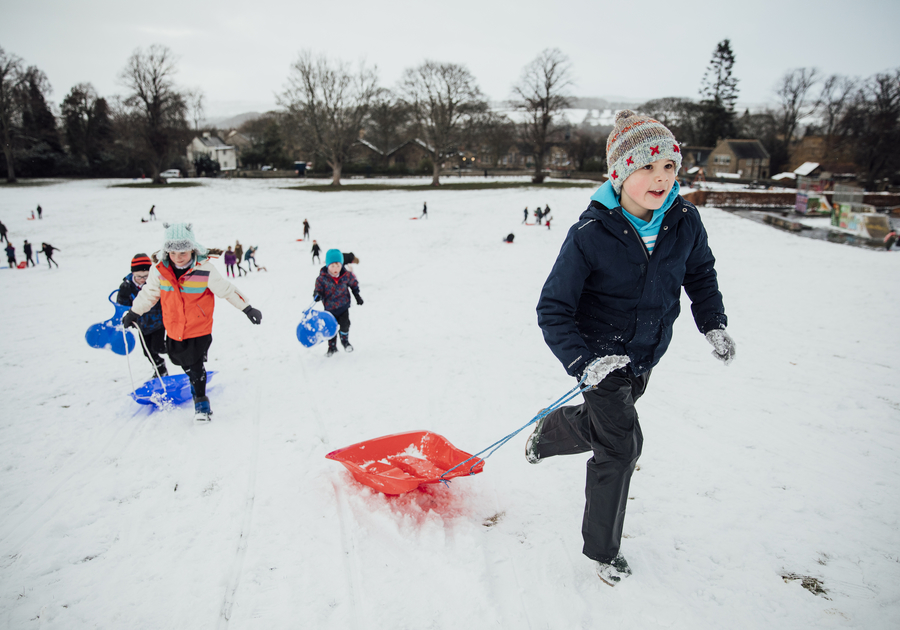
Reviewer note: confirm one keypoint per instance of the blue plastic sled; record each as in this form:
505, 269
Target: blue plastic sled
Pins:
316, 326
178, 390
108, 334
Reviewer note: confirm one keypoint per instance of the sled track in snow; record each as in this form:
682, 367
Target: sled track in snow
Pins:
355, 592
237, 566
39, 515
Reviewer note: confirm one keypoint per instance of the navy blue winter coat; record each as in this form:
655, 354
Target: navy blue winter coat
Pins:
606, 295
335, 292
149, 321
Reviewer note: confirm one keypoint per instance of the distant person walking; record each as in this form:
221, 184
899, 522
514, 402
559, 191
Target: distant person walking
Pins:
525, 218
229, 262
424, 210
26, 249
3, 233
305, 229
538, 215
48, 250
153, 213
10, 255
40, 212
248, 258
315, 253
239, 257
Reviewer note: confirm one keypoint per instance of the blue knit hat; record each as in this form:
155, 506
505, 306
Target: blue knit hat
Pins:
333, 256
179, 237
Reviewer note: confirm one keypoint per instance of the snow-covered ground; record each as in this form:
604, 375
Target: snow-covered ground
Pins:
785, 462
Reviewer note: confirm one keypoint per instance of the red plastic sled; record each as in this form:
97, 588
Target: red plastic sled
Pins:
395, 464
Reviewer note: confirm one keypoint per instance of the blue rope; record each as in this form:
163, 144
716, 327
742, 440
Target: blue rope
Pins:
569, 395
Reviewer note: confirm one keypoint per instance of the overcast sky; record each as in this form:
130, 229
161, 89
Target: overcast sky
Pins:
239, 53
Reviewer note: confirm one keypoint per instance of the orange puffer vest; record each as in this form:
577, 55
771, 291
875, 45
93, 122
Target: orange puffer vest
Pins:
187, 302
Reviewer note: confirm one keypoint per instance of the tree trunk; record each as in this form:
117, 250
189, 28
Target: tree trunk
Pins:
10, 168
436, 171
336, 169
538, 177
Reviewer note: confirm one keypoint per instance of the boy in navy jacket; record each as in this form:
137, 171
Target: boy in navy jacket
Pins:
607, 310
333, 287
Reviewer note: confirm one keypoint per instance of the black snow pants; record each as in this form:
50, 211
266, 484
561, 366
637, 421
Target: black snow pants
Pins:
606, 424
190, 354
156, 345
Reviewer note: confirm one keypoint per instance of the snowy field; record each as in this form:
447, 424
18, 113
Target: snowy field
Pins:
786, 462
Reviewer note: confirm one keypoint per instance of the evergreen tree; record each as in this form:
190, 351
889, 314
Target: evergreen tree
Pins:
719, 94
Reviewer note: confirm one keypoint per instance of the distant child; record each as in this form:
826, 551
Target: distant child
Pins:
48, 250
40, 212
305, 229
424, 210
151, 323
607, 311
26, 249
248, 258
184, 281
333, 287
3, 233
153, 213
10, 255
315, 253
229, 262
239, 257
525, 220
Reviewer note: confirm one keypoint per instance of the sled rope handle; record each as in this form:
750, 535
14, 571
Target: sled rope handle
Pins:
146, 350
569, 395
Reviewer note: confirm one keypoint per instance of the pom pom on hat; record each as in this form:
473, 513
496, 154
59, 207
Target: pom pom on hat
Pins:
140, 262
333, 256
179, 237
636, 141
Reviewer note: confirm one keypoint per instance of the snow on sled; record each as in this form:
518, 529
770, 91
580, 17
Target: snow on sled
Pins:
395, 464
316, 326
177, 390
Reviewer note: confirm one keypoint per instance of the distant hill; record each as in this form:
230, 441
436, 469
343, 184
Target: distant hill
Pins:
231, 123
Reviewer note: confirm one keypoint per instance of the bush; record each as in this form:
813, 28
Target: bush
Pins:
206, 166
594, 166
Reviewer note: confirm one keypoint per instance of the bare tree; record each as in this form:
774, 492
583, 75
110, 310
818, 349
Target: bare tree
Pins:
11, 80
494, 134
194, 98
329, 103
442, 96
542, 93
793, 91
388, 123
155, 107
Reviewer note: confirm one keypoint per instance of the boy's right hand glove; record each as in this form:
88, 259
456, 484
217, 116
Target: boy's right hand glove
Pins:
129, 319
316, 297
723, 345
359, 299
600, 368
253, 314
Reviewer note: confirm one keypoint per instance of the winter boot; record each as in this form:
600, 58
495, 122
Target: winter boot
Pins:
345, 341
332, 346
614, 571
531, 445
202, 412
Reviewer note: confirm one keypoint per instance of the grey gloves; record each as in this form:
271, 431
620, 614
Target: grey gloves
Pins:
723, 345
599, 368
253, 315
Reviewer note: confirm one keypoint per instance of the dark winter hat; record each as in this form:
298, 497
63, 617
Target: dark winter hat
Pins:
636, 141
179, 237
333, 256
140, 262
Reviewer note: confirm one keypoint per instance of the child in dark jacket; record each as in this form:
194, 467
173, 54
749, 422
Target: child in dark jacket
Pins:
230, 259
151, 322
607, 311
333, 287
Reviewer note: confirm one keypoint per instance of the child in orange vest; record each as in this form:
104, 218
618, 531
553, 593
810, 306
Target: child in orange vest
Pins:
184, 281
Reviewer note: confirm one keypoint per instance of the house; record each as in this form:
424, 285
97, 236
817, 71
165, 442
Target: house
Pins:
215, 148
746, 159
694, 158
409, 154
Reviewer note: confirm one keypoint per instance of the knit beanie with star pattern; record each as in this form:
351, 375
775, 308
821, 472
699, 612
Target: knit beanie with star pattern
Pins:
636, 141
